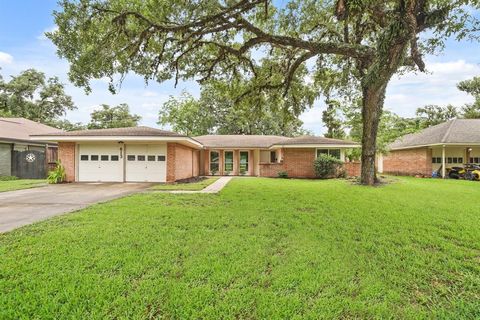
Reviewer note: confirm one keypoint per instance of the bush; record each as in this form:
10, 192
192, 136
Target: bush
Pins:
8, 178
57, 175
327, 167
282, 174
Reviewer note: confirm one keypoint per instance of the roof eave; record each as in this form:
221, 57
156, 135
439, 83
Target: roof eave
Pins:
65, 138
315, 145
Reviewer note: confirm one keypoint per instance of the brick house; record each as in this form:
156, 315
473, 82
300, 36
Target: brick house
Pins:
434, 149
153, 155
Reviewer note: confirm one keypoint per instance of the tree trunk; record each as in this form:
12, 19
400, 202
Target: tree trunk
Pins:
372, 106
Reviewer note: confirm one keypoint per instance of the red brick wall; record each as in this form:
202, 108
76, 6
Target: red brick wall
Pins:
409, 162
182, 162
353, 169
66, 155
297, 162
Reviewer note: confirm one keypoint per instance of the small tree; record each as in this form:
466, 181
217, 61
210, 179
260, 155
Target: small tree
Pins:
327, 167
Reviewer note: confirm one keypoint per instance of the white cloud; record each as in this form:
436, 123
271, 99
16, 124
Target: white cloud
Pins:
42, 36
438, 86
5, 58
148, 93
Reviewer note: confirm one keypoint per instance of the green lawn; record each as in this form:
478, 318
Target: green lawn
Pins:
260, 249
193, 186
10, 185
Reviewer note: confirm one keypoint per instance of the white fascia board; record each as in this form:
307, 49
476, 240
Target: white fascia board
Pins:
118, 138
466, 144
319, 146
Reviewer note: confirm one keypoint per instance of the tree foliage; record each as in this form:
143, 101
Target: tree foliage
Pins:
217, 111
332, 120
431, 115
348, 45
31, 95
113, 117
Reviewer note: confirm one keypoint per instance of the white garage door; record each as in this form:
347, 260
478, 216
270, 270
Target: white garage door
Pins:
146, 162
100, 163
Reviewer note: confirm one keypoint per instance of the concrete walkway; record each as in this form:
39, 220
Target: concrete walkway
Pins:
22, 207
213, 188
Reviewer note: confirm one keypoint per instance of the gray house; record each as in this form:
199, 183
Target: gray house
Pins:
19, 155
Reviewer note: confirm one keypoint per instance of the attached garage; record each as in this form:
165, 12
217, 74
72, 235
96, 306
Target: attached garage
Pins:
137, 154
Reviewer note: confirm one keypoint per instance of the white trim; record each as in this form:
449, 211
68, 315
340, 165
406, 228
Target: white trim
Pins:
319, 146
119, 138
342, 152
466, 144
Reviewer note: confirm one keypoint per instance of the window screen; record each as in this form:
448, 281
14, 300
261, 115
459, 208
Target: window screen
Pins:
273, 156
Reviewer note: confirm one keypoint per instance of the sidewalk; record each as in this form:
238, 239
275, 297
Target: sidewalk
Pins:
213, 188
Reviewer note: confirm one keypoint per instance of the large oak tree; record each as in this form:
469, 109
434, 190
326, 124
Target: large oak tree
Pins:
356, 45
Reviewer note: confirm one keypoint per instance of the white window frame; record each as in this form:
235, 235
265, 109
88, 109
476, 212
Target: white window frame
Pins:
342, 152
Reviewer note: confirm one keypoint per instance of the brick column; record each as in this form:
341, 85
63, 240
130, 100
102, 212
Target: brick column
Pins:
171, 162
66, 155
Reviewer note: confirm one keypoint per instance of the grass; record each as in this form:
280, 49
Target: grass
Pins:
260, 249
10, 185
191, 186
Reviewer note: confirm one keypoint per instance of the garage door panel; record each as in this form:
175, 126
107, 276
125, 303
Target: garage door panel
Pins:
146, 163
100, 163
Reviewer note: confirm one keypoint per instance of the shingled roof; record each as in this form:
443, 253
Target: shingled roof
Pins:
457, 131
315, 140
238, 141
20, 129
140, 131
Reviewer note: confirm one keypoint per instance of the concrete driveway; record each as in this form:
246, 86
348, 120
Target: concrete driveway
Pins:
21, 207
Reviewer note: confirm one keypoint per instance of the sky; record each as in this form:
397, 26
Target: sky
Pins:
23, 45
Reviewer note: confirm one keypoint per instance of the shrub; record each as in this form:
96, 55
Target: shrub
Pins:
327, 167
243, 172
8, 178
57, 175
282, 174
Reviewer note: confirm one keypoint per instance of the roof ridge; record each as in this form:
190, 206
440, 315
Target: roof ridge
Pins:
448, 131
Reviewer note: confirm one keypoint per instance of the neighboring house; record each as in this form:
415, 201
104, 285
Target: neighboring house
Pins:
436, 148
21, 156
148, 154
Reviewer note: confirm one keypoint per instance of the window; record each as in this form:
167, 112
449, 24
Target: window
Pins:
151, 158
455, 160
84, 157
214, 162
114, 158
140, 158
131, 157
332, 152
228, 167
243, 162
161, 158
104, 157
460, 160
449, 160
476, 160
273, 156
94, 157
